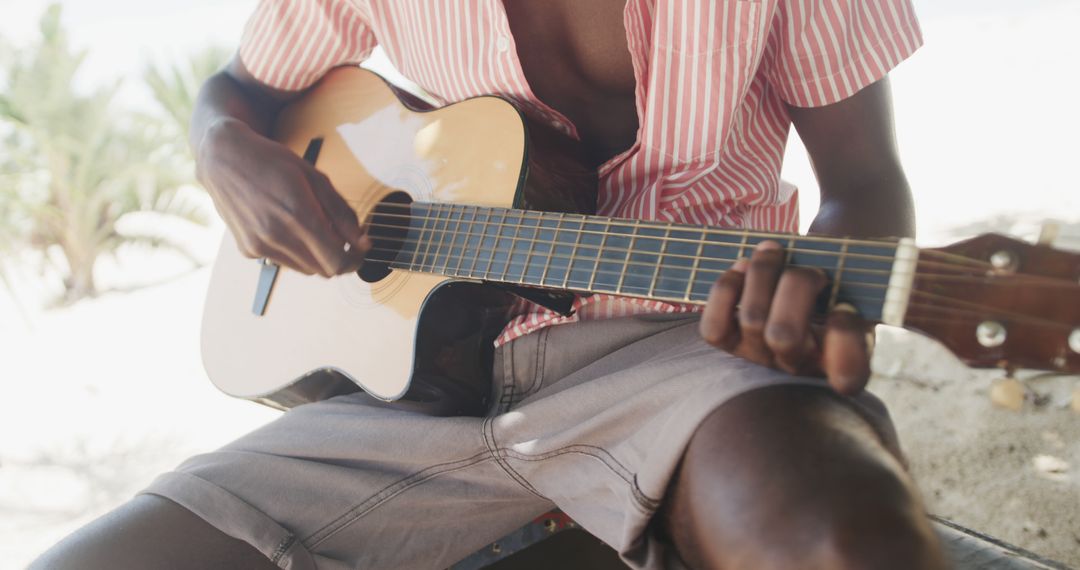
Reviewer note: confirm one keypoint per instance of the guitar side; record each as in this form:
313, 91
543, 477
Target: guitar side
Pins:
471, 152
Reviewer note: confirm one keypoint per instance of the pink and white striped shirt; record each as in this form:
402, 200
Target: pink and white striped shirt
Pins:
713, 77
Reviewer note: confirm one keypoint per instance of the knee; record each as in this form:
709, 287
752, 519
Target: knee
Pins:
795, 479
879, 525
868, 522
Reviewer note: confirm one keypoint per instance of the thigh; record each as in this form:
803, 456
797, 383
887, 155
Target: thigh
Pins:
151, 532
352, 482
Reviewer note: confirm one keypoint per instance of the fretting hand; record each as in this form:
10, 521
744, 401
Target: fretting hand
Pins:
760, 310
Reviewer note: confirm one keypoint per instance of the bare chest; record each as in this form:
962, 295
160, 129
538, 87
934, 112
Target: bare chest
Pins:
575, 58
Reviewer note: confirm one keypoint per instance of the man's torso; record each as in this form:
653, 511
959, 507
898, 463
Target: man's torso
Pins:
574, 56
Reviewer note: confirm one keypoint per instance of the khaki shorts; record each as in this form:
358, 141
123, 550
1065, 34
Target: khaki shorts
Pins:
591, 417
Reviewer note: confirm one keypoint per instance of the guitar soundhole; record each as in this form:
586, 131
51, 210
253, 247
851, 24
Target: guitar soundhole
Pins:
388, 227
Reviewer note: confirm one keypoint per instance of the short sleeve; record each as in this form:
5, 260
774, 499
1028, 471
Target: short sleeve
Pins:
290, 44
824, 51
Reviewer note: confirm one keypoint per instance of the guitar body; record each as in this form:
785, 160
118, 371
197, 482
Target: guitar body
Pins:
320, 337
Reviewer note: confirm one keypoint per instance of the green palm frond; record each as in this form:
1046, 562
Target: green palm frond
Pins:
176, 86
73, 166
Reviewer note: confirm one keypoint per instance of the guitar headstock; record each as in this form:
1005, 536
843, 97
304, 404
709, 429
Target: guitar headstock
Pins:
995, 301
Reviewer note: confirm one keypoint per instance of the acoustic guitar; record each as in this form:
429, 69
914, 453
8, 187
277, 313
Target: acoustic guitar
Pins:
470, 206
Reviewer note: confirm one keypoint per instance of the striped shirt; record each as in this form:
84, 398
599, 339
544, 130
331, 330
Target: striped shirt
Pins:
712, 81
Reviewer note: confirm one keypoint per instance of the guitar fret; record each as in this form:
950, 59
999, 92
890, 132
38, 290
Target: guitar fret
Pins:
442, 237
453, 236
573, 254
599, 254
424, 239
626, 260
532, 248
659, 260
431, 238
465, 243
838, 276
551, 253
495, 245
697, 263
510, 253
480, 241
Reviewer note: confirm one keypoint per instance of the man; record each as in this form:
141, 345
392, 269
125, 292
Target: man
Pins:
668, 449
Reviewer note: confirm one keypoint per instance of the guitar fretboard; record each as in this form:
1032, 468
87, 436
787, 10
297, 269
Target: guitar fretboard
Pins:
594, 254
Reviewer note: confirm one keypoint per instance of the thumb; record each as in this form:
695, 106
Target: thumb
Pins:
338, 211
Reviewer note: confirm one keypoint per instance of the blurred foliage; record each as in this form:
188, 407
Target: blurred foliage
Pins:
175, 87
75, 168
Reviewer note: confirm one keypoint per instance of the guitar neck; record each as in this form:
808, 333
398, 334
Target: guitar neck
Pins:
652, 260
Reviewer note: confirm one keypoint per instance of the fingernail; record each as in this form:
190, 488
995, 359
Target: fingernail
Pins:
768, 244
740, 265
845, 308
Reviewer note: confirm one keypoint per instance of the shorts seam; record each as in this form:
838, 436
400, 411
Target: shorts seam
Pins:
282, 548
497, 454
389, 491
538, 365
643, 501
506, 395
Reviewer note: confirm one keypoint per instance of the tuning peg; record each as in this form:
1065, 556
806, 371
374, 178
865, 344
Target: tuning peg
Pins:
1048, 234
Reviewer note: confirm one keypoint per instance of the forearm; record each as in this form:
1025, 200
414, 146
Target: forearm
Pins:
229, 97
878, 208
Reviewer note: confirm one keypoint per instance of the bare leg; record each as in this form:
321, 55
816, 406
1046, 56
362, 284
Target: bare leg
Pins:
792, 477
150, 532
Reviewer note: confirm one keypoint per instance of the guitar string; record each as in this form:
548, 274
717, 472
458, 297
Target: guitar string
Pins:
456, 252
517, 228
595, 263
487, 224
455, 244
924, 263
978, 313
615, 248
684, 297
509, 266
978, 306
912, 318
976, 310
637, 224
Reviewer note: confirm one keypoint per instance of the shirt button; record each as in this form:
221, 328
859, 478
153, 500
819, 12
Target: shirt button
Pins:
502, 44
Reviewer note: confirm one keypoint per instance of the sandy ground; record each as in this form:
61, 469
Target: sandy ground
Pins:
978, 464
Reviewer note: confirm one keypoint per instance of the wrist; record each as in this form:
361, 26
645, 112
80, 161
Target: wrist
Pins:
219, 136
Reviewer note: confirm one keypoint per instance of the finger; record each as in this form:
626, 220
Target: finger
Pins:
354, 255
308, 233
337, 210
761, 276
323, 246
718, 325
787, 331
845, 355
285, 258
299, 246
